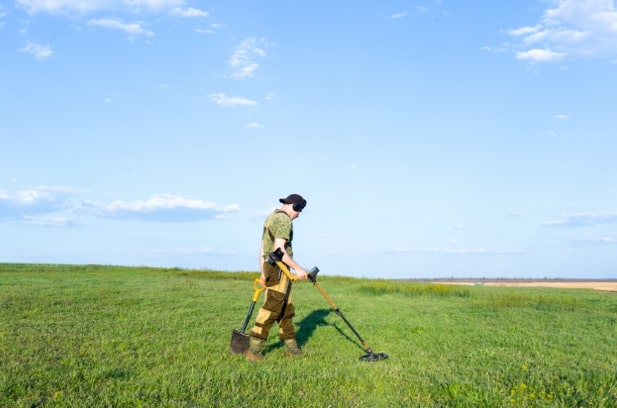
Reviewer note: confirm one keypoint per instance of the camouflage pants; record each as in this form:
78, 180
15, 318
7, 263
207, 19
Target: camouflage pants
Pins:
275, 308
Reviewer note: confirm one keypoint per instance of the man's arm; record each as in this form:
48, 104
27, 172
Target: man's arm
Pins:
262, 278
300, 271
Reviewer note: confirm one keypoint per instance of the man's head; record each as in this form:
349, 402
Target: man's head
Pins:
295, 202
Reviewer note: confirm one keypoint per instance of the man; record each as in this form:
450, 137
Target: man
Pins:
277, 307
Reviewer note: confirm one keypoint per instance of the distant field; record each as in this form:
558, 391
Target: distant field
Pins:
606, 285
102, 336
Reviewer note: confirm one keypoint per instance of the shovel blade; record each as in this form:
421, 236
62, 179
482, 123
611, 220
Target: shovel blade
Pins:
239, 342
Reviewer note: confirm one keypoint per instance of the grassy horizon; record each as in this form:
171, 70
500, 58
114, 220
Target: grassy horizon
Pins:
114, 336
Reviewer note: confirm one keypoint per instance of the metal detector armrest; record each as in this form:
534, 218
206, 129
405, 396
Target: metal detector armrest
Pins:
276, 258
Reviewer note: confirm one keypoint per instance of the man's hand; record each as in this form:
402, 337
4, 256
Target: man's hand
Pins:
301, 274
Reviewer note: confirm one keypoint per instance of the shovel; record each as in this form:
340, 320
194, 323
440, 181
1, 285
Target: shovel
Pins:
239, 339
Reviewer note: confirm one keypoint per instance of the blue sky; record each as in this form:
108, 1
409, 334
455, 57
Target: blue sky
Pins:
430, 138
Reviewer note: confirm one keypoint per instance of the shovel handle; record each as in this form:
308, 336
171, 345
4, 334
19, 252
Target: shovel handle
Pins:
258, 289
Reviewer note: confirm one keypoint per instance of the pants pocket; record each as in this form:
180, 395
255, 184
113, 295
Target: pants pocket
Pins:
272, 274
274, 302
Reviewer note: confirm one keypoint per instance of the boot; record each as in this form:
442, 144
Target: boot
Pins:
292, 348
256, 346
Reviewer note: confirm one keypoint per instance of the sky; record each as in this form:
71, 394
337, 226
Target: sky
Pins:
431, 138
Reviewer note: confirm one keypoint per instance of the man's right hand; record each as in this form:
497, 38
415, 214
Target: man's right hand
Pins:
301, 274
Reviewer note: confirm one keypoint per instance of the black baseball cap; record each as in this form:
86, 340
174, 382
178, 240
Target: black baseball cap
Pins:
296, 199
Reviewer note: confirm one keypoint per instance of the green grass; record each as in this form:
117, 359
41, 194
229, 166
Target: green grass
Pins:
102, 336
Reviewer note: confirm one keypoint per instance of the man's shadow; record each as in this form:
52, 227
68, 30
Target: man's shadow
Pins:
317, 318
308, 325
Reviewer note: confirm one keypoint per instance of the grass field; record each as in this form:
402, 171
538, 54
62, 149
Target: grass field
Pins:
102, 336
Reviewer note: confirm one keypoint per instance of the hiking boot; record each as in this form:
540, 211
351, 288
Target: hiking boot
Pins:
254, 353
292, 349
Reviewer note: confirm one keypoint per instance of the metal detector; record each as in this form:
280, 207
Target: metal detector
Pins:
276, 257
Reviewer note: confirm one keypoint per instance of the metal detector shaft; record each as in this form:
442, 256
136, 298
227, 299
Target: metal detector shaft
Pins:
338, 312
276, 257
312, 276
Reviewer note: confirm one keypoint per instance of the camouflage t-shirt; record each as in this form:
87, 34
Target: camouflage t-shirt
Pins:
277, 225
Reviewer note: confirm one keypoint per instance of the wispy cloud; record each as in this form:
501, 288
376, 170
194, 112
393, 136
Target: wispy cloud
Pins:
189, 12
601, 240
399, 15
173, 7
244, 58
573, 29
212, 29
231, 101
61, 206
132, 29
540, 55
36, 201
37, 50
50, 222
583, 218
167, 207
462, 251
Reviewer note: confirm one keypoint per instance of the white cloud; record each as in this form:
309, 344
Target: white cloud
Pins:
165, 201
133, 29
50, 222
153, 4
523, 31
37, 50
211, 30
583, 218
231, 101
36, 201
37, 195
400, 15
561, 117
243, 61
167, 208
540, 55
573, 29
254, 125
465, 251
57, 207
64, 6
188, 12
602, 240
174, 7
